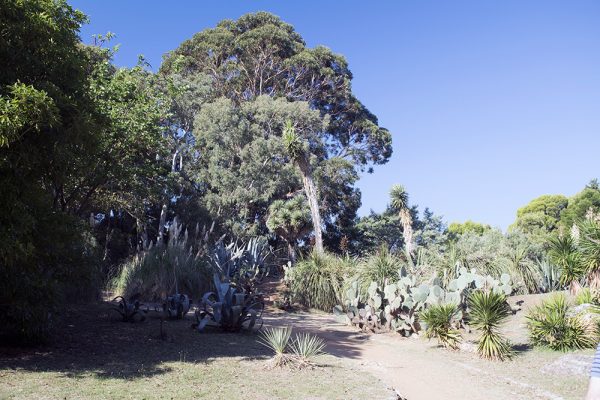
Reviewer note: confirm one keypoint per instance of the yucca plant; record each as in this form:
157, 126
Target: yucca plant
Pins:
439, 320
564, 253
589, 246
584, 297
305, 347
550, 325
316, 281
277, 339
487, 312
379, 267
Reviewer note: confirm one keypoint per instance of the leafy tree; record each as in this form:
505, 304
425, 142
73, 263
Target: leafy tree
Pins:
456, 229
580, 204
541, 216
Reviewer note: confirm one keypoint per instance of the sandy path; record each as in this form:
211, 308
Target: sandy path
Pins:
416, 369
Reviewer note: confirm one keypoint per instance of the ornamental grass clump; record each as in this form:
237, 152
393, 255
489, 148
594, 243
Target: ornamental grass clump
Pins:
552, 325
277, 339
487, 312
439, 322
316, 281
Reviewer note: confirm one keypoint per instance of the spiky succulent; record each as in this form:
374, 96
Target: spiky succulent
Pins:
439, 319
487, 312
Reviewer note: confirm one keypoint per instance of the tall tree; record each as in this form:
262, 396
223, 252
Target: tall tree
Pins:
399, 202
297, 149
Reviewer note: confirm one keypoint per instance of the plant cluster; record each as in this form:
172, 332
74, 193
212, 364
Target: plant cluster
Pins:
298, 352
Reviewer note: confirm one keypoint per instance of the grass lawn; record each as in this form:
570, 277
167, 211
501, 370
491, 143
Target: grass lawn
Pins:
103, 359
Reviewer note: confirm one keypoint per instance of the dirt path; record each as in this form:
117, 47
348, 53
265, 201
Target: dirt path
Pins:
417, 369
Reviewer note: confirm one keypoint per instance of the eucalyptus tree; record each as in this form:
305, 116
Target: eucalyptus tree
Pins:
245, 60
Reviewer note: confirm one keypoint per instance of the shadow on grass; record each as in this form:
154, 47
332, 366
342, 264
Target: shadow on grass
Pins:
89, 342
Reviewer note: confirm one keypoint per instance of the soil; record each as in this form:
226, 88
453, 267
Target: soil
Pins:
416, 368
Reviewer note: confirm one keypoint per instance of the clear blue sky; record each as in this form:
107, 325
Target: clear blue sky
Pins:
491, 103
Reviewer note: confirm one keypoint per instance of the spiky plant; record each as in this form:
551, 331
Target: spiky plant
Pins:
379, 267
439, 319
316, 281
399, 202
589, 246
487, 312
305, 347
564, 253
550, 325
584, 297
277, 339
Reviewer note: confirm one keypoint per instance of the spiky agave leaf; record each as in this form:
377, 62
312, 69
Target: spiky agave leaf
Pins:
277, 339
439, 318
487, 312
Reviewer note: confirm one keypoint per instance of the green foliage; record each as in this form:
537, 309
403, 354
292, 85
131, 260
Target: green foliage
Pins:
231, 308
585, 296
276, 339
306, 347
380, 267
161, 270
589, 244
551, 325
440, 320
317, 280
541, 216
579, 205
487, 312
564, 254
456, 229
290, 220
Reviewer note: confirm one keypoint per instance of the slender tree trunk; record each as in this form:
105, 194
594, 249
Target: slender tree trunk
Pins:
406, 221
313, 202
161, 224
291, 251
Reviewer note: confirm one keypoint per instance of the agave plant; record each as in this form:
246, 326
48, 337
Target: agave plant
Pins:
439, 321
230, 307
551, 325
487, 312
129, 311
176, 306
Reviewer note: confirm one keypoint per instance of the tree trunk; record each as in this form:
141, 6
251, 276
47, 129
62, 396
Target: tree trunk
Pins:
291, 251
313, 202
406, 221
161, 225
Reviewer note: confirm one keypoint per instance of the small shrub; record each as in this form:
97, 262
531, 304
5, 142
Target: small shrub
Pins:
277, 339
584, 297
379, 267
550, 325
487, 312
439, 321
317, 281
305, 347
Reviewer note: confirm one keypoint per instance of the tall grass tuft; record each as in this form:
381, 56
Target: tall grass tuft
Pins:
487, 312
161, 270
550, 325
317, 280
379, 267
305, 347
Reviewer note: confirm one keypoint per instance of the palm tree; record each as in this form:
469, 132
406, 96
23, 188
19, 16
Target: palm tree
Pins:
564, 253
299, 154
399, 198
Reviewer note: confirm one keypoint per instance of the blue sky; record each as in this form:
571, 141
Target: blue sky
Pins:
491, 104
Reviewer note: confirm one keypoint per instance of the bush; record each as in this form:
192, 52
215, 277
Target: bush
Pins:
584, 296
164, 269
317, 281
439, 320
378, 267
487, 312
550, 325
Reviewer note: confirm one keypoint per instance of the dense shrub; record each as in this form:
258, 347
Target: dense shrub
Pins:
317, 280
164, 269
552, 325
